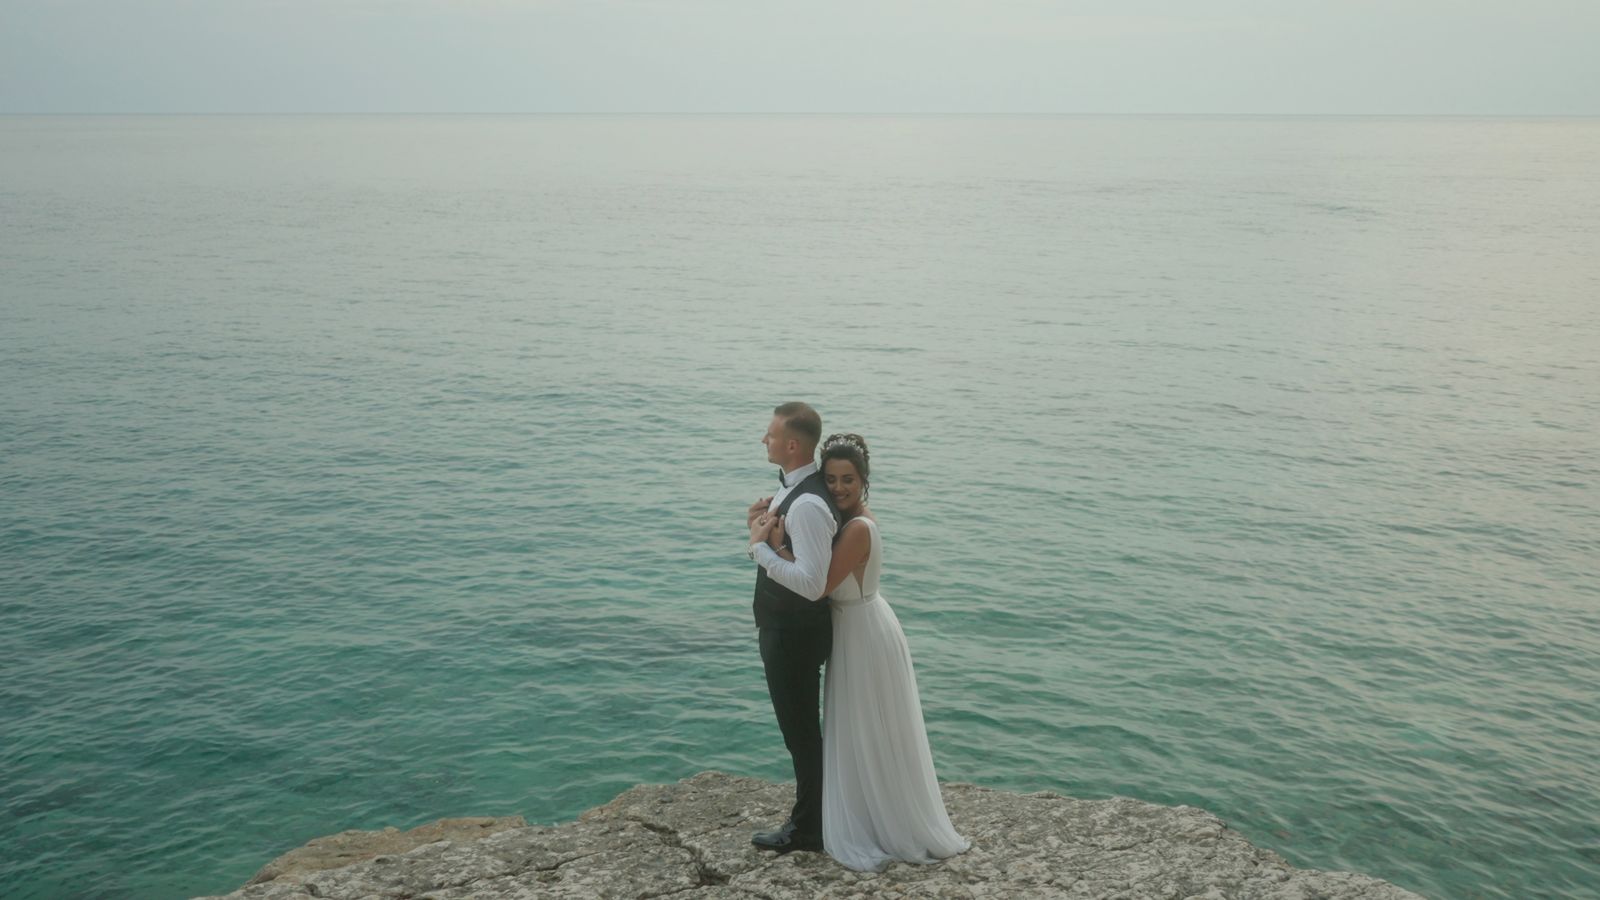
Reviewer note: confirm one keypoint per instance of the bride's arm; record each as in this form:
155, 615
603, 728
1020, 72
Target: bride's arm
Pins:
848, 554
775, 541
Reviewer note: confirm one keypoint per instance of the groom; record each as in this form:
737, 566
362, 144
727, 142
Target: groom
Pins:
796, 625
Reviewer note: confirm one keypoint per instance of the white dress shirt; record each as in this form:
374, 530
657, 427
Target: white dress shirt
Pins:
811, 528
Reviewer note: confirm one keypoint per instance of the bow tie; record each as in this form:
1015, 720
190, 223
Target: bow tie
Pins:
780, 479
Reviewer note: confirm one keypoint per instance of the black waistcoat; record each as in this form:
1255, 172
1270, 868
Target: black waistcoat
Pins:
778, 607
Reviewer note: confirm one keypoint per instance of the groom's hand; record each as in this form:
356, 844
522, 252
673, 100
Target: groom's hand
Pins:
756, 509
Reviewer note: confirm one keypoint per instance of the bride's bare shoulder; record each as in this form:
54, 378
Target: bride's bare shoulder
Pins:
858, 522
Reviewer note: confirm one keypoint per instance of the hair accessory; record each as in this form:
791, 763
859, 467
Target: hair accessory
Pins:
842, 441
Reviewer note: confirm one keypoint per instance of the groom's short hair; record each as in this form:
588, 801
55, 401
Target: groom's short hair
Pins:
801, 420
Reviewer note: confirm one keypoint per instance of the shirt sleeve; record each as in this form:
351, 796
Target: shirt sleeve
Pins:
811, 528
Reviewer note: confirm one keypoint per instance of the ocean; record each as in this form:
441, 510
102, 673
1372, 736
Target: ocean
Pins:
363, 471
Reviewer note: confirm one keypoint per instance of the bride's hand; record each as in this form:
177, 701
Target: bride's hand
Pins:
761, 526
775, 537
756, 509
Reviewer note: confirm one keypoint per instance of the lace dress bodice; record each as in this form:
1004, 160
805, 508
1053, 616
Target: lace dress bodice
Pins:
851, 592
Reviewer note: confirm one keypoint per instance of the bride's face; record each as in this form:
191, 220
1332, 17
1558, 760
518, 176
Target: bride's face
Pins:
844, 483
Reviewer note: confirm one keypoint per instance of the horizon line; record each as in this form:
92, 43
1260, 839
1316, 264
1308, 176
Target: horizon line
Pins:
1348, 115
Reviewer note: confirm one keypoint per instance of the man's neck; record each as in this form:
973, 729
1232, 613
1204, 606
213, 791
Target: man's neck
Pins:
790, 468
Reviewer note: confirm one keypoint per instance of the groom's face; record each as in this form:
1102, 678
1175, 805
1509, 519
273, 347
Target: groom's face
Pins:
777, 441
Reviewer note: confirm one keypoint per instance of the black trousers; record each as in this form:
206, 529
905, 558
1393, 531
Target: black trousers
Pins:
793, 659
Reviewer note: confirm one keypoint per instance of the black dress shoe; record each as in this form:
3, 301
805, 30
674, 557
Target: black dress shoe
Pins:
786, 840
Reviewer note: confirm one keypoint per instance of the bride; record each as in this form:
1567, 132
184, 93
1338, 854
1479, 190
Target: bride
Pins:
880, 798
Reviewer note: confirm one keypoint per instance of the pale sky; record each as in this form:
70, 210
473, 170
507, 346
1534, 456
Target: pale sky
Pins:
1492, 57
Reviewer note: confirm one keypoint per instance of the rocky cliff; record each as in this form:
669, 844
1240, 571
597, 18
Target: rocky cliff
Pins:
693, 839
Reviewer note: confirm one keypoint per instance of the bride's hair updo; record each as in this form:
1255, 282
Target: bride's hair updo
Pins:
851, 447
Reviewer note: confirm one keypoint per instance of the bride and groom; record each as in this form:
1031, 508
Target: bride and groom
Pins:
865, 789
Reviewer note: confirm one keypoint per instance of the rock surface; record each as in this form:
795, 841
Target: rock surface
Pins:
349, 847
693, 839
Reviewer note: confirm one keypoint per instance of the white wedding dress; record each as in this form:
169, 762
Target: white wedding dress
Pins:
880, 798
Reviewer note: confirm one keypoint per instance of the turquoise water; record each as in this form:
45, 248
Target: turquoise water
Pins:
365, 471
